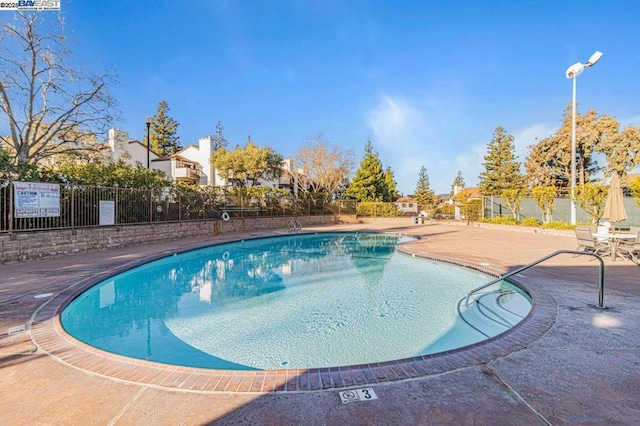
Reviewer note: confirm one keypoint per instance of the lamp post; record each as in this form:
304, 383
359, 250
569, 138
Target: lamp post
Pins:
572, 72
148, 121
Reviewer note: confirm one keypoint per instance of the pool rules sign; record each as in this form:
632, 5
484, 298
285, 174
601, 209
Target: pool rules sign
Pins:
34, 199
357, 395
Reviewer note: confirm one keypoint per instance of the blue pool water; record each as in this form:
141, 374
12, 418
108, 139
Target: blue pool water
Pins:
297, 301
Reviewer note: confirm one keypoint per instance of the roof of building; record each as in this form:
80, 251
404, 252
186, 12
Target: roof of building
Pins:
177, 156
473, 192
134, 141
187, 147
405, 200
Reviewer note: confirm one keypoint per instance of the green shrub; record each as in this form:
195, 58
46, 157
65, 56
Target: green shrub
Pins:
377, 209
504, 220
530, 221
472, 210
556, 224
443, 211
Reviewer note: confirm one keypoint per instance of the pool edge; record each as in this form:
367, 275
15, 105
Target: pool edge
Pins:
47, 333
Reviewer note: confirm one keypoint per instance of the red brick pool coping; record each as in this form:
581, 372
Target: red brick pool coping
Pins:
47, 333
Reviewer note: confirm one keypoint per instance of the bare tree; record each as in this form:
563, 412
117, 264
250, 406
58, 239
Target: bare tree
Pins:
49, 106
321, 167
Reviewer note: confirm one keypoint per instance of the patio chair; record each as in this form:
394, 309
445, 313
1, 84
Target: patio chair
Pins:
630, 248
587, 243
602, 230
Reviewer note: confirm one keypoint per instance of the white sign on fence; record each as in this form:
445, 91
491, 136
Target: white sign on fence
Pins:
107, 213
34, 199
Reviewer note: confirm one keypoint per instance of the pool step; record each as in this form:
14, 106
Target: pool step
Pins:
494, 311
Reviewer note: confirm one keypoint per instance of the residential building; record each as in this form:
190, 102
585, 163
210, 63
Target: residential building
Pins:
472, 193
407, 205
190, 164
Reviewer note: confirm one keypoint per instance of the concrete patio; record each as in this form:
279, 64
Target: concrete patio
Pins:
581, 366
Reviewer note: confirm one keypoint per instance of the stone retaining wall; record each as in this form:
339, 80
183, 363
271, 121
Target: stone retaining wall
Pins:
28, 246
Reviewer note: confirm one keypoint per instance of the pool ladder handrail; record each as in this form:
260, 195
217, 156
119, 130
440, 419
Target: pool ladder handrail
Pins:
295, 226
555, 253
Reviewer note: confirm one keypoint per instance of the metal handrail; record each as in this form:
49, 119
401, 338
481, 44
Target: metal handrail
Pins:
517, 271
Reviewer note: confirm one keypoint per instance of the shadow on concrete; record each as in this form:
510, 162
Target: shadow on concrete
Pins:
11, 360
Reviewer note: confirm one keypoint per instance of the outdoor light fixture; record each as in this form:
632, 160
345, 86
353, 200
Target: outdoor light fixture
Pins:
572, 72
148, 121
594, 58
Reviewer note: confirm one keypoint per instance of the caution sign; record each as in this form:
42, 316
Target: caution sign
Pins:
35, 199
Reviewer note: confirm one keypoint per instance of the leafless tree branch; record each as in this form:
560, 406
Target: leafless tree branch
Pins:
50, 106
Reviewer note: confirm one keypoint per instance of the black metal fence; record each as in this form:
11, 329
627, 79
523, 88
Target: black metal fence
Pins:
82, 206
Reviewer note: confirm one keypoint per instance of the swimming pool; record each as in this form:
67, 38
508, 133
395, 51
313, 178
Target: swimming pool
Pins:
290, 302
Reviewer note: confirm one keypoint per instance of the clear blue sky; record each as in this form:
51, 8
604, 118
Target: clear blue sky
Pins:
426, 81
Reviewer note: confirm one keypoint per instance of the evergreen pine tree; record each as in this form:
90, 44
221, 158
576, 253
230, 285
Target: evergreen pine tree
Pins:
392, 191
457, 182
424, 195
219, 140
369, 183
502, 169
163, 132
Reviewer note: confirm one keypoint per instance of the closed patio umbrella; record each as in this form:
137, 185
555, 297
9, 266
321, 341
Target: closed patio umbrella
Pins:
614, 207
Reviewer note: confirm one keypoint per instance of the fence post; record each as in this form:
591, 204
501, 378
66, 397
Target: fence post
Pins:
11, 209
73, 207
492, 207
115, 212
